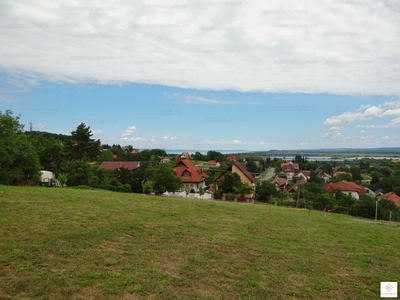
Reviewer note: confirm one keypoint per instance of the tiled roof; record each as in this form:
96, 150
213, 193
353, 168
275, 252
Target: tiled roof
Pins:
279, 181
245, 172
347, 186
242, 169
287, 164
391, 196
195, 173
296, 185
233, 157
112, 165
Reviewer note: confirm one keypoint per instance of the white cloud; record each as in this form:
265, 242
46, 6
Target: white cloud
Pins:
386, 138
130, 131
40, 126
236, 142
251, 46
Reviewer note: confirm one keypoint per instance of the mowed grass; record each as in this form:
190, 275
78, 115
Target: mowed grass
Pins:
64, 243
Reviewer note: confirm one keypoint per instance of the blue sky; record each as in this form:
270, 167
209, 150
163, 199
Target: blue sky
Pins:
206, 75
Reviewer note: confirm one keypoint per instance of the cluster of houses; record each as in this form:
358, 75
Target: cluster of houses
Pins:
193, 177
292, 170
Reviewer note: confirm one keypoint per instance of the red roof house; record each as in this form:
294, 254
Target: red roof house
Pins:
280, 183
347, 187
191, 176
392, 197
112, 165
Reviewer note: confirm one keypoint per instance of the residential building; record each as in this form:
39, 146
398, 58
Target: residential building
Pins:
112, 165
392, 197
192, 176
347, 187
241, 170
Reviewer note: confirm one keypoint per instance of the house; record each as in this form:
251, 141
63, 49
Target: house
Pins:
392, 197
186, 155
289, 168
112, 165
305, 174
241, 170
336, 171
233, 158
165, 160
192, 177
135, 151
299, 182
115, 156
322, 174
280, 183
213, 164
347, 187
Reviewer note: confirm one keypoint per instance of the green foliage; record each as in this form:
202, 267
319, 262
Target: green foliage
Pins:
106, 155
243, 189
251, 165
18, 158
230, 182
265, 191
201, 191
163, 179
82, 146
62, 178
355, 173
341, 177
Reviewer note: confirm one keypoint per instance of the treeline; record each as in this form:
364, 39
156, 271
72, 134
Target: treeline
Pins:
75, 159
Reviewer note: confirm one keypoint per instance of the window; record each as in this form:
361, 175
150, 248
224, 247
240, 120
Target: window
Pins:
186, 174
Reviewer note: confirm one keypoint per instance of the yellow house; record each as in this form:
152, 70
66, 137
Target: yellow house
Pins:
245, 177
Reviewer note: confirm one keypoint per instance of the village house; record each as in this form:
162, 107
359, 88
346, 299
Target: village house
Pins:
192, 176
165, 160
213, 164
347, 187
392, 197
322, 174
304, 174
280, 183
113, 165
245, 177
233, 158
298, 183
290, 169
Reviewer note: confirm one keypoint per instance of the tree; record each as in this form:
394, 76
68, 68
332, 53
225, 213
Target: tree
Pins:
244, 189
82, 146
231, 181
356, 173
265, 191
251, 165
18, 158
163, 179
187, 190
201, 192
63, 178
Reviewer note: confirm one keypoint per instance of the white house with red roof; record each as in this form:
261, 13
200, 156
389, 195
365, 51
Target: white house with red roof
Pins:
192, 176
347, 187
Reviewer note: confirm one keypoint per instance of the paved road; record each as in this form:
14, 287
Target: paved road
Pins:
269, 174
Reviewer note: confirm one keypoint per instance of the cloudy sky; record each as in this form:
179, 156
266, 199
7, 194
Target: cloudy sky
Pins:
252, 75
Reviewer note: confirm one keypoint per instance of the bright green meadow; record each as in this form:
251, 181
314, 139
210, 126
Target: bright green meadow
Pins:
69, 243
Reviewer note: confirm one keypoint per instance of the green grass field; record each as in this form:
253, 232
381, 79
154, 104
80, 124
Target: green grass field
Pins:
65, 243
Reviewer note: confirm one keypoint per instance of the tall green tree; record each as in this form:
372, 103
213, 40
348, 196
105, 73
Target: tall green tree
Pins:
231, 182
18, 158
82, 146
163, 179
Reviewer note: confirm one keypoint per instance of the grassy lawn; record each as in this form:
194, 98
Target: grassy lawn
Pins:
64, 243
